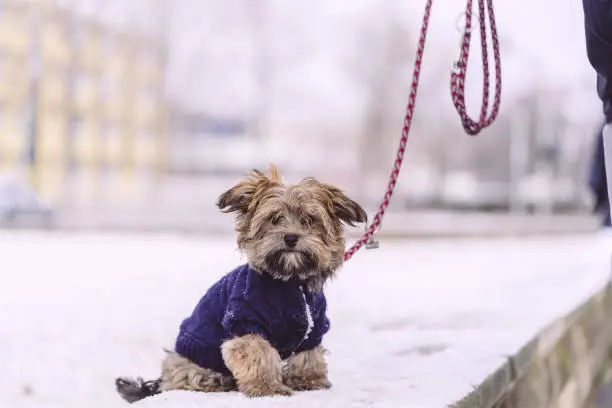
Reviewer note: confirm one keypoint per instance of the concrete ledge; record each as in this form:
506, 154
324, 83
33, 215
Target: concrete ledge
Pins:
559, 368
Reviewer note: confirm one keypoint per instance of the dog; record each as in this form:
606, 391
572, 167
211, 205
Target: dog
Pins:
259, 329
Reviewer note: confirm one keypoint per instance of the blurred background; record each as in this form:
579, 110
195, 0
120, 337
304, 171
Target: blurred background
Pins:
138, 114
135, 115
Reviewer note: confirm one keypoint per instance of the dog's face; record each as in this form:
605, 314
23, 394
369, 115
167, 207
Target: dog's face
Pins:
291, 231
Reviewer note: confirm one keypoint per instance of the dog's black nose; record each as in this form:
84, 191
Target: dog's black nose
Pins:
291, 240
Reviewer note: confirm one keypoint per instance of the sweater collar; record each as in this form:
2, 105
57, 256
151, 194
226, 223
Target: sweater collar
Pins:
291, 282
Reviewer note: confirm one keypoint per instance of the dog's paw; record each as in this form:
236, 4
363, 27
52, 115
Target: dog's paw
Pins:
308, 384
129, 388
216, 383
133, 390
266, 390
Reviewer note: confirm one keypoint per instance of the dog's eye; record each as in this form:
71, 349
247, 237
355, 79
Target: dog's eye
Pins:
277, 219
306, 221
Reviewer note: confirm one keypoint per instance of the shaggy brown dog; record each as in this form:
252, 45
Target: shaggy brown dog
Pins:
293, 237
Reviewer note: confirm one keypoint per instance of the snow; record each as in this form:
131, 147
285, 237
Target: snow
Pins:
413, 324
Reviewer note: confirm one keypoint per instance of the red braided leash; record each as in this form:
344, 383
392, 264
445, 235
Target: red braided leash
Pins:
458, 96
457, 82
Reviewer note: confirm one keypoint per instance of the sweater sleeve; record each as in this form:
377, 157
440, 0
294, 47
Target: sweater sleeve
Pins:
320, 327
241, 320
241, 317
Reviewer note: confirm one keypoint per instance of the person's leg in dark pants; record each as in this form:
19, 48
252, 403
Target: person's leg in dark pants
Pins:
598, 35
598, 180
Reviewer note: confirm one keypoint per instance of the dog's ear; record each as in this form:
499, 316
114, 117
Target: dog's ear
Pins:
240, 197
346, 209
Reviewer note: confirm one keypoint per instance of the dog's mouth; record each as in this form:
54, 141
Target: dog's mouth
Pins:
290, 263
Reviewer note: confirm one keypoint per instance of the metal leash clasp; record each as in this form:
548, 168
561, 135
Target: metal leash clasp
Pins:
372, 243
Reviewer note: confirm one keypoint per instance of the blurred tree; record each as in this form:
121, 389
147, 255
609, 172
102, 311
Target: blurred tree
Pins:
258, 16
380, 62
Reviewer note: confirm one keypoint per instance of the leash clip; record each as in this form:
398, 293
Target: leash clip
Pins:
372, 243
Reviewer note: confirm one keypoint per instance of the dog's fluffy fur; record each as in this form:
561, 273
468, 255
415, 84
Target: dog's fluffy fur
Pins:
267, 211
178, 373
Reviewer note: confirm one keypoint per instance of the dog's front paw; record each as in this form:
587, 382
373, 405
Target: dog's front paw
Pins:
266, 390
308, 383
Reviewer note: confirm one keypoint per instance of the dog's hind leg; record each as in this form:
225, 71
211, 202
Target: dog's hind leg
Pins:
133, 390
178, 373
307, 370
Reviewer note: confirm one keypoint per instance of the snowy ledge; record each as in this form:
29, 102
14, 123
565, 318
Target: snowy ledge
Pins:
482, 359
561, 367
416, 324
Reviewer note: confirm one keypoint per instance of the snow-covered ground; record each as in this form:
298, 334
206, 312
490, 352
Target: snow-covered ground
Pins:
414, 324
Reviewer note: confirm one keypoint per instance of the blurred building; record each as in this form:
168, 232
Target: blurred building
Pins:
81, 104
